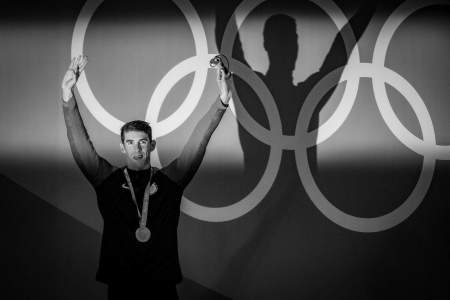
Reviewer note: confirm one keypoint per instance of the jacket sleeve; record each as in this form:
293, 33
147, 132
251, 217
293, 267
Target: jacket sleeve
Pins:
183, 169
94, 167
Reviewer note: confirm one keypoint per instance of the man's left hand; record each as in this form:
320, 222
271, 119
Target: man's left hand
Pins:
223, 81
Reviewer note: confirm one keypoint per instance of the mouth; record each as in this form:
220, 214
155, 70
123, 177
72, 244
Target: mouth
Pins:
138, 156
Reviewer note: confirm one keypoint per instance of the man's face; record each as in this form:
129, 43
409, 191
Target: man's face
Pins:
137, 147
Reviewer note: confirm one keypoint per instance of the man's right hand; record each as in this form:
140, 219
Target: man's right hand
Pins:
70, 78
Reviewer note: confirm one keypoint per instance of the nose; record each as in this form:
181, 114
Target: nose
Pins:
139, 146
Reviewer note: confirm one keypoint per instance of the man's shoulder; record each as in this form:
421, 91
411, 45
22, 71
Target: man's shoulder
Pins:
115, 175
164, 175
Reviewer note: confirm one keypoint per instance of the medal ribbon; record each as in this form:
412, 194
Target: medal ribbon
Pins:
143, 218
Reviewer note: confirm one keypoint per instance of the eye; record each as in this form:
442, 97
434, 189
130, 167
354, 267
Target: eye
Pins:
129, 142
145, 142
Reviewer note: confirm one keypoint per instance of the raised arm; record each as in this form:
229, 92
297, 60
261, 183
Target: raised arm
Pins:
95, 168
337, 56
183, 169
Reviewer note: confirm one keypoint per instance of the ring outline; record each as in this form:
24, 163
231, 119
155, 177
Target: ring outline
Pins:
376, 79
100, 114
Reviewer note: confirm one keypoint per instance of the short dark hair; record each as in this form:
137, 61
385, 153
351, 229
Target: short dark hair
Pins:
137, 125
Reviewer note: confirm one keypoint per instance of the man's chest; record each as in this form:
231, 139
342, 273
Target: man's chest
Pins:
163, 202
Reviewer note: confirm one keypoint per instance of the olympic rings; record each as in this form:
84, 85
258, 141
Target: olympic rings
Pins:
380, 74
274, 137
339, 217
238, 209
341, 113
423, 147
197, 63
182, 69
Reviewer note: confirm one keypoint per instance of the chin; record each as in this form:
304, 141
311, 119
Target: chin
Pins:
137, 164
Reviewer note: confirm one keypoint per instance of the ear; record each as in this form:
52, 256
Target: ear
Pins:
122, 148
152, 145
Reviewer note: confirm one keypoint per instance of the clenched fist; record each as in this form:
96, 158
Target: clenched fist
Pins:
70, 78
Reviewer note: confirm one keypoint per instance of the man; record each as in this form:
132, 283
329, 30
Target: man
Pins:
140, 204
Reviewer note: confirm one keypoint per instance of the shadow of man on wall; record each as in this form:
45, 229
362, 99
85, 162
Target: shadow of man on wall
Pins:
286, 208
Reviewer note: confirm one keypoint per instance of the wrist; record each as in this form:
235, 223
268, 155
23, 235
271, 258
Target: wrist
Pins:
67, 95
225, 99
223, 103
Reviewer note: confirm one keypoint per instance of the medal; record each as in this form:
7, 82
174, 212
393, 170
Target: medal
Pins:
142, 233
153, 189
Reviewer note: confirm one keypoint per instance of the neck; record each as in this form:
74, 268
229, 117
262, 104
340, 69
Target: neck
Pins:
139, 167
279, 72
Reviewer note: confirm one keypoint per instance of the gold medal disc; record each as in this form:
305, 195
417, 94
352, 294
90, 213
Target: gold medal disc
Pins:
143, 234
